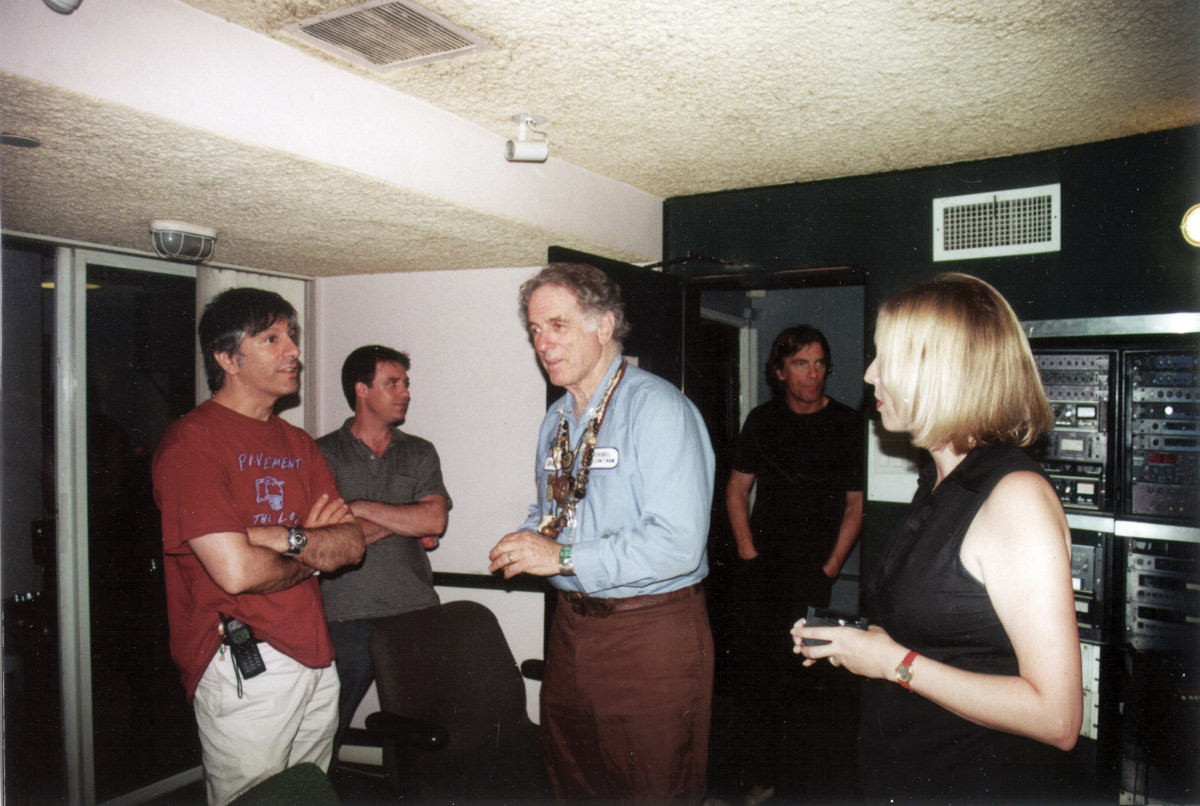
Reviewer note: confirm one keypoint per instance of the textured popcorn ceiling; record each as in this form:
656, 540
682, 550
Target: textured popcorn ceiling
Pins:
120, 169
671, 97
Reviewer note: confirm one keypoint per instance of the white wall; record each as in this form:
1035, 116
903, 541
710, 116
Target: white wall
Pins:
477, 395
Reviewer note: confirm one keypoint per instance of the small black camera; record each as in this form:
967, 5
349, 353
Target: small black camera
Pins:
822, 617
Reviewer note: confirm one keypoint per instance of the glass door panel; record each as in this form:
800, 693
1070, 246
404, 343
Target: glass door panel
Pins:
140, 376
33, 758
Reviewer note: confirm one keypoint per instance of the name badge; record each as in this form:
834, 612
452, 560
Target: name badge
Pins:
605, 458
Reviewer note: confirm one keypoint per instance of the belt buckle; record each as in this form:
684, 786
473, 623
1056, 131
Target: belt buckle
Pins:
584, 605
598, 608
577, 602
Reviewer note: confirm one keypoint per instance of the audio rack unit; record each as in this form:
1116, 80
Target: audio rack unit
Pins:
1162, 591
1091, 576
1077, 454
1162, 427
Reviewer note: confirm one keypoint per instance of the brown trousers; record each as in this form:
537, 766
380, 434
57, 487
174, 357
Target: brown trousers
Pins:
626, 703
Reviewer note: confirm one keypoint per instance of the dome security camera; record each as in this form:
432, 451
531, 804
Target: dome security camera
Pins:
62, 6
176, 240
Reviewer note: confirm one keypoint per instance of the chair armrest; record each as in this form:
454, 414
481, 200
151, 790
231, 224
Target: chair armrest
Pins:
533, 668
414, 732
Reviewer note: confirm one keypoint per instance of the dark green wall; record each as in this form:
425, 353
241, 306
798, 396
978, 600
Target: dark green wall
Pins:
1122, 253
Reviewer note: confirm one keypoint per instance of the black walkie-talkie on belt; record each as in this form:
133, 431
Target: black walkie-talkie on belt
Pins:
242, 645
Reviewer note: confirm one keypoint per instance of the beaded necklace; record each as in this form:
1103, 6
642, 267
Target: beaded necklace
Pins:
563, 490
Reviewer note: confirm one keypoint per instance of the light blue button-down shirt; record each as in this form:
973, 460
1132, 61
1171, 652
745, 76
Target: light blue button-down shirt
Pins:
642, 527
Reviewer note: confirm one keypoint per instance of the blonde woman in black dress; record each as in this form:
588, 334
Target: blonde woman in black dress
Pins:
972, 666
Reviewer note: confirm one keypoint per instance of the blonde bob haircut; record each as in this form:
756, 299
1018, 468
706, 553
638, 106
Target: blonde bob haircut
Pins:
953, 357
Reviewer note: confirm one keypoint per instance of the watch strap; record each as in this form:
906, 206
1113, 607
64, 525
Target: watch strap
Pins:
904, 670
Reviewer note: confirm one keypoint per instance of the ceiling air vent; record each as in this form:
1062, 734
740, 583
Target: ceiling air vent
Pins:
387, 34
1006, 222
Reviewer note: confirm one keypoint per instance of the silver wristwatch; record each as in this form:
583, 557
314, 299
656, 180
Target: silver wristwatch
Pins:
297, 540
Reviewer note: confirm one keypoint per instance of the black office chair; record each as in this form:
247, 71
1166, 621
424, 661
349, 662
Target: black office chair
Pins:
453, 708
302, 785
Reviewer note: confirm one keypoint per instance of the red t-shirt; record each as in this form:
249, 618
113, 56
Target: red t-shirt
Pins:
216, 470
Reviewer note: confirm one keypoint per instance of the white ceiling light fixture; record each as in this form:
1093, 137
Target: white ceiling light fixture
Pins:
63, 6
1190, 226
176, 240
523, 149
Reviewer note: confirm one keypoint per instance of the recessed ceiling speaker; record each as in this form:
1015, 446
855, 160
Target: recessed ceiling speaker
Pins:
176, 240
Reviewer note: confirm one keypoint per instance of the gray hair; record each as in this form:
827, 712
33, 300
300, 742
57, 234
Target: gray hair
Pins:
593, 289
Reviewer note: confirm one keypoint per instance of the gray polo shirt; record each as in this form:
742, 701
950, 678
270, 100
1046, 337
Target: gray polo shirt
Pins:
395, 575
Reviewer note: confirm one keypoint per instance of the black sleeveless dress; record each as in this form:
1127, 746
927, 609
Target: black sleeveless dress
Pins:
909, 749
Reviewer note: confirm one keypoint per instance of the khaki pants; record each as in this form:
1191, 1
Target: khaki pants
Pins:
286, 715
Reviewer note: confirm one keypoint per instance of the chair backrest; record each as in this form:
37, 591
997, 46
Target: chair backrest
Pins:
450, 664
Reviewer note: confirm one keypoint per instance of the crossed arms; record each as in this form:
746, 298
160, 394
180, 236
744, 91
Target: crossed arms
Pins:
424, 519
255, 561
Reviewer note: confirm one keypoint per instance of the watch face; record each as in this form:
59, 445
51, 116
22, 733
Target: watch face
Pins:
904, 673
297, 540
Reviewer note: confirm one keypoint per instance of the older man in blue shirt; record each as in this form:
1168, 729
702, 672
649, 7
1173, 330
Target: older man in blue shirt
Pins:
624, 477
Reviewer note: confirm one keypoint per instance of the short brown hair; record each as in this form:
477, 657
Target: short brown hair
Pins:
956, 362
362, 364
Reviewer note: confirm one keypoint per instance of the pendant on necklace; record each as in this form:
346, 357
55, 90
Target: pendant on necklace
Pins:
550, 526
562, 488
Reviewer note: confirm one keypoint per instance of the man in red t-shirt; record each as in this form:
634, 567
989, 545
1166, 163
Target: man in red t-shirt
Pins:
250, 515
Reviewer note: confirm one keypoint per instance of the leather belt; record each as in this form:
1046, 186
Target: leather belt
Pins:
585, 605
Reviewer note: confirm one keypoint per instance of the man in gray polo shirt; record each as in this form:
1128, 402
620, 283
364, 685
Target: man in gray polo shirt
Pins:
393, 482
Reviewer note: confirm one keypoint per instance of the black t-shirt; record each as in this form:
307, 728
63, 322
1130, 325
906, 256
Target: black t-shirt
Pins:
803, 464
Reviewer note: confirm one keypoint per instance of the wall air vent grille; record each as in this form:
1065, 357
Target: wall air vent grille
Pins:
387, 34
1006, 222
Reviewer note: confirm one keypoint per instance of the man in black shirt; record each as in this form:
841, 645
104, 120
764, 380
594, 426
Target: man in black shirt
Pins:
803, 450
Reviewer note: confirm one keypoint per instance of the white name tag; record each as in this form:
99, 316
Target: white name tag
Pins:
605, 459
602, 459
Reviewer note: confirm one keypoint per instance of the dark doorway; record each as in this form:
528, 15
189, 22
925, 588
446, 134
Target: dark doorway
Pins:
140, 377
713, 385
